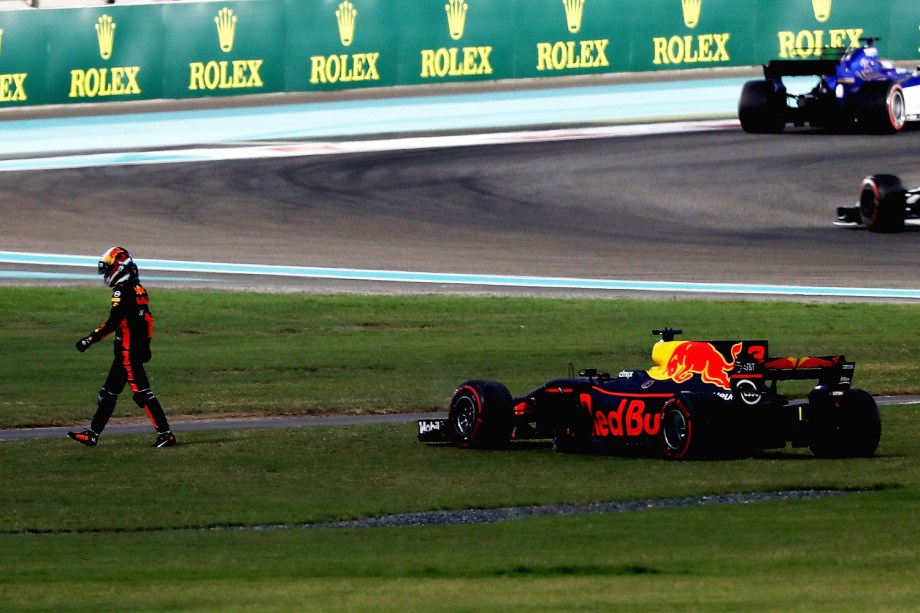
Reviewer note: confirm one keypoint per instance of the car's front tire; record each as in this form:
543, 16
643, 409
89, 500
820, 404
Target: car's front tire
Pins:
882, 203
481, 415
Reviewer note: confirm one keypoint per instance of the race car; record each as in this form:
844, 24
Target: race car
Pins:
855, 90
699, 399
883, 206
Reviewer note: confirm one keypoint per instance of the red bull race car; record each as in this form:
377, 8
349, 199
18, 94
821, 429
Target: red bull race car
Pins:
699, 399
858, 89
884, 205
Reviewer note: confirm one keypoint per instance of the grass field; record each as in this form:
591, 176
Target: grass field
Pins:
229, 353
216, 524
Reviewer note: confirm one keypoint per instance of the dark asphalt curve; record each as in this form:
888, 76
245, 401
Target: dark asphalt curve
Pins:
710, 207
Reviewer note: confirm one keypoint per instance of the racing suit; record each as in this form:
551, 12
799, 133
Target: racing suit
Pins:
131, 321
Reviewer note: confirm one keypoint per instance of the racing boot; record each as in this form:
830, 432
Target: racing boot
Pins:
165, 439
85, 437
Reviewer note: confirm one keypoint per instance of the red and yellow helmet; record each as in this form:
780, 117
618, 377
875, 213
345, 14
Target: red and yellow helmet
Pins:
116, 266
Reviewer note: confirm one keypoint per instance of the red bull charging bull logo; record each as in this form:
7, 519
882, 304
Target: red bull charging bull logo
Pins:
680, 360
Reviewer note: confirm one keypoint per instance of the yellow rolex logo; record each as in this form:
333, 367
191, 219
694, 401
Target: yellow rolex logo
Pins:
456, 17
346, 16
226, 28
105, 33
692, 9
573, 12
822, 9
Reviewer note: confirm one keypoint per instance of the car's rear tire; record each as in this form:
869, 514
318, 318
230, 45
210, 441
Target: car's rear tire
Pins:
481, 415
851, 429
880, 107
882, 203
681, 436
761, 108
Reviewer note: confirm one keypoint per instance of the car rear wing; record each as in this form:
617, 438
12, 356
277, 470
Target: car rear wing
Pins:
754, 370
800, 68
833, 371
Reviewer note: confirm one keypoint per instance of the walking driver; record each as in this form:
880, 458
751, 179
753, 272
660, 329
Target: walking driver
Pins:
131, 321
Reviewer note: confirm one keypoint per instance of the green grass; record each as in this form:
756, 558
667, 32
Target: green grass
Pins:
132, 528
231, 353
125, 527
316, 474
842, 554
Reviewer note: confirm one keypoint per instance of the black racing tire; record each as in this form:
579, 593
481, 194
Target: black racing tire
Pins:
681, 434
851, 429
481, 415
882, 203
880, 107
761, 108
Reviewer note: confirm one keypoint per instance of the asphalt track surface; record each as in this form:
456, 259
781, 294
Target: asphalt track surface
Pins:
719, 207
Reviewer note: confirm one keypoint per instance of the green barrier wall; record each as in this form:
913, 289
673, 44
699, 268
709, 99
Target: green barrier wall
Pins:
196, 49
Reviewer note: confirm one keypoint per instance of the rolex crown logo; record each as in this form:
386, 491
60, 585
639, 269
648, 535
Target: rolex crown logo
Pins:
226, 28
692, 9
346, 16
105, 34
573, 13
822, 9
456, 17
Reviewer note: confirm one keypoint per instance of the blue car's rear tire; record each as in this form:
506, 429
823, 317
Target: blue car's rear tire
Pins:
880, 107
761, 108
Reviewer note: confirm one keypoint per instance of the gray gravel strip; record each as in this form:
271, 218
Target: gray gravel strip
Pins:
488, 516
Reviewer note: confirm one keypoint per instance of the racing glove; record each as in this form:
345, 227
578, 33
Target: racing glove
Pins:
84, 343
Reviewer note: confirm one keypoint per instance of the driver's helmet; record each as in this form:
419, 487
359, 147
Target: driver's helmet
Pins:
116, 266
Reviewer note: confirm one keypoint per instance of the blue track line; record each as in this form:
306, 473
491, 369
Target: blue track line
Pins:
396, 276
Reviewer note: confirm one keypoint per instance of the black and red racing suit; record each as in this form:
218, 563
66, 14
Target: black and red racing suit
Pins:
131, 321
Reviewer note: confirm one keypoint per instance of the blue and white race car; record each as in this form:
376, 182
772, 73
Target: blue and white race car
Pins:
856, 90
